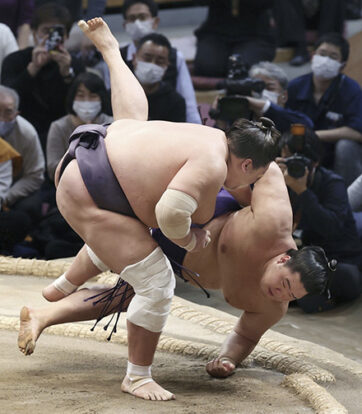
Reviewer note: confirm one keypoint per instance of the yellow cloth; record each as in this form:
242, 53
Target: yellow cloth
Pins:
7, 152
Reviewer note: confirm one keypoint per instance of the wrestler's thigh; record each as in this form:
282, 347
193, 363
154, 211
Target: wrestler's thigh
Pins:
118, 240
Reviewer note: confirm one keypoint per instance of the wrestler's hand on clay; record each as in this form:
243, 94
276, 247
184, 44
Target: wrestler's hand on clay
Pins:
220, 367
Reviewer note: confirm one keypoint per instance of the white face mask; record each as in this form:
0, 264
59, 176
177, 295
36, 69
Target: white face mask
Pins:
270, 96
139, 28
149, 73
324, 67
6, 127
87, 111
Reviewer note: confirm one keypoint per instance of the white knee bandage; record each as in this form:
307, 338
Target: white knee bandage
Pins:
153, 281
64, 286
173, 213
96, 260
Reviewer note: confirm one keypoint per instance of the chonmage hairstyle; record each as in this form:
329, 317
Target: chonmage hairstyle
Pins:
255, 140
312, 264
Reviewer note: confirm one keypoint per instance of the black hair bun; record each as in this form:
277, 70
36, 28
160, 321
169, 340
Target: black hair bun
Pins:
333, 264
266, 122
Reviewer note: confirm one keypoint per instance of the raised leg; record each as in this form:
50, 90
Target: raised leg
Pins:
81, 270
128, 98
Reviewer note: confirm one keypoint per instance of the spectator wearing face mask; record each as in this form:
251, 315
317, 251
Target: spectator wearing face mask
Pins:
150, 64
334, 103
140, 19
87, 103
274, 97
42, 74
23, 194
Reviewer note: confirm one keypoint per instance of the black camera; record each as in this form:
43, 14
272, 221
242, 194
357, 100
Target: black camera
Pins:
237, 85
296, 165
55, 38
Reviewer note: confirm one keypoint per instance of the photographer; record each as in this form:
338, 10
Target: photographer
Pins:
273, 98
42, 74
322, 212
260, 92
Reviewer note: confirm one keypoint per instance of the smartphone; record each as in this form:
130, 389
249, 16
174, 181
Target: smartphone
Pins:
55, 38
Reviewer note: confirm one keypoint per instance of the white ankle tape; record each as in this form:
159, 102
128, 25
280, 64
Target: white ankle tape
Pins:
64, 286
96, 260
134, 370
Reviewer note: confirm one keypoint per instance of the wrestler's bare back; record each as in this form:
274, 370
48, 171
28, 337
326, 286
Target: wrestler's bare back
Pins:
147, 155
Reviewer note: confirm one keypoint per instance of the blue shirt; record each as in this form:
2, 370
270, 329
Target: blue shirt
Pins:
341, 104
284, 117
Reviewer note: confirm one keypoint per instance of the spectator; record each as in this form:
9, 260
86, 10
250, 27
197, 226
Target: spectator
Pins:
7, 43
274, 97
23, 194
334, 103
87, 102
242, 27
293, 17
17, 15
141, 18
42, 77
355, 199
323, 214
13, 225
150, 64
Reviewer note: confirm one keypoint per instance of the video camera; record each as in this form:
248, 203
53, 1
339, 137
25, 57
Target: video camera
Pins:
297, 162
237, 85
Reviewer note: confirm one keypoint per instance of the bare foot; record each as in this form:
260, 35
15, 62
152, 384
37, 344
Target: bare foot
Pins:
220, 367
29, 331
149, 391
98, 32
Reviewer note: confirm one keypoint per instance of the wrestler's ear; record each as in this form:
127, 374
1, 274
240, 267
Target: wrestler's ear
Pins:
283, 259
247, 165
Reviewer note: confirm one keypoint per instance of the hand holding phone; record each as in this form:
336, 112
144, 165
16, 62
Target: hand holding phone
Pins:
55, 38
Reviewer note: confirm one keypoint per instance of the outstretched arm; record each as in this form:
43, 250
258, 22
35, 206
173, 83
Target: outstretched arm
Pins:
128, 97
242, 340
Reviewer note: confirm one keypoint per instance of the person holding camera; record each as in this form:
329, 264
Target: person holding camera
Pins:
334, 103
274, 97
323, 215
261, 91
42, 74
